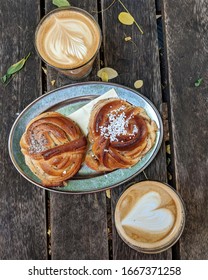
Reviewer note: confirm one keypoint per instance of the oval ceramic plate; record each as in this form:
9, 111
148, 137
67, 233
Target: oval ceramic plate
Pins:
67, 100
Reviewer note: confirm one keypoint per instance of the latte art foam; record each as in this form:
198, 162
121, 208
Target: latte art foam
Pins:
67, 39
149, 216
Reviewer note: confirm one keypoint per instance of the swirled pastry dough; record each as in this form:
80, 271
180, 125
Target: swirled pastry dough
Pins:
120, 135
54, 148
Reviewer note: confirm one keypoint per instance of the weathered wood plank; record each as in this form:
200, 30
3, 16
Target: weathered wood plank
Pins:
135, 59
78, 226
78, 222
22, 206
185, 27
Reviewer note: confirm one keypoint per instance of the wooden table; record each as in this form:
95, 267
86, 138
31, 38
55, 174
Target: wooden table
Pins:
38, 224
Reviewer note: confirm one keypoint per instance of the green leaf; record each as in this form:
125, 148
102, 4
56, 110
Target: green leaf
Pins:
61, 3
17, 66
198, 82
14, 69
4, 78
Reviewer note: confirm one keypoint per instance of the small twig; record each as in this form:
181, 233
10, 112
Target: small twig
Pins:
105, 8
130, 40
145, 175
20, 27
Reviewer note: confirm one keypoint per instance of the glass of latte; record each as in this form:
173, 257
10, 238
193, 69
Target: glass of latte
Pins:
68, 39
150, 216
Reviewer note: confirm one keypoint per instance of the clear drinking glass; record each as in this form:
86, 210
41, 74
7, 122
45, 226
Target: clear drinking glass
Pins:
68, 39
150, 216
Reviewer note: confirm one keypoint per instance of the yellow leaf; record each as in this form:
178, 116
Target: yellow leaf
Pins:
108, 194
168, 149
170, 177
104, 76
107, 73
44, 70
53, 82
127, 38
138, 84
126, 18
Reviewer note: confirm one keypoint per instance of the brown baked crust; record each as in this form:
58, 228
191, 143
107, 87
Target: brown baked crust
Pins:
120, 135
54, 148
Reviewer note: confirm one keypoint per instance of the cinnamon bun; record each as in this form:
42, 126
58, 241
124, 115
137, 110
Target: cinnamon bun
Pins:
120, 135
54, 148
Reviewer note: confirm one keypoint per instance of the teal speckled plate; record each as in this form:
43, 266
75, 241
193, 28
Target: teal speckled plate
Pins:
66, 100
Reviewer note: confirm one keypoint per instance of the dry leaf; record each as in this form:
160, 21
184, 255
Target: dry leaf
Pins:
127, 38
138, 84
108, 194
53, 82
44, 70
104, 76
170, 177
168, 149
126, 18
107, 73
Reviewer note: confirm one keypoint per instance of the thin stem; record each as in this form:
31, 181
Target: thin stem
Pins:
124, 6
130, 40
26, 58
106, 7
145, 175
138, 27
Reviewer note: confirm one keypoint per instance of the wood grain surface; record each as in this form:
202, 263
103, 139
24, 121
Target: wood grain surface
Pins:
136, 59
38, 224
78, 222
22, 206
186, 27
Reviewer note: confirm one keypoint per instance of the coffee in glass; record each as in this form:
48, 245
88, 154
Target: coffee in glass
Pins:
68, 39
150, 216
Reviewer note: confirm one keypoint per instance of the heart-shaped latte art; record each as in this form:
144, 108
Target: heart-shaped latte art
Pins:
146, 215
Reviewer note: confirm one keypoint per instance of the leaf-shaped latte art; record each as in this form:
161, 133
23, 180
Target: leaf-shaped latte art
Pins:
67, 42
